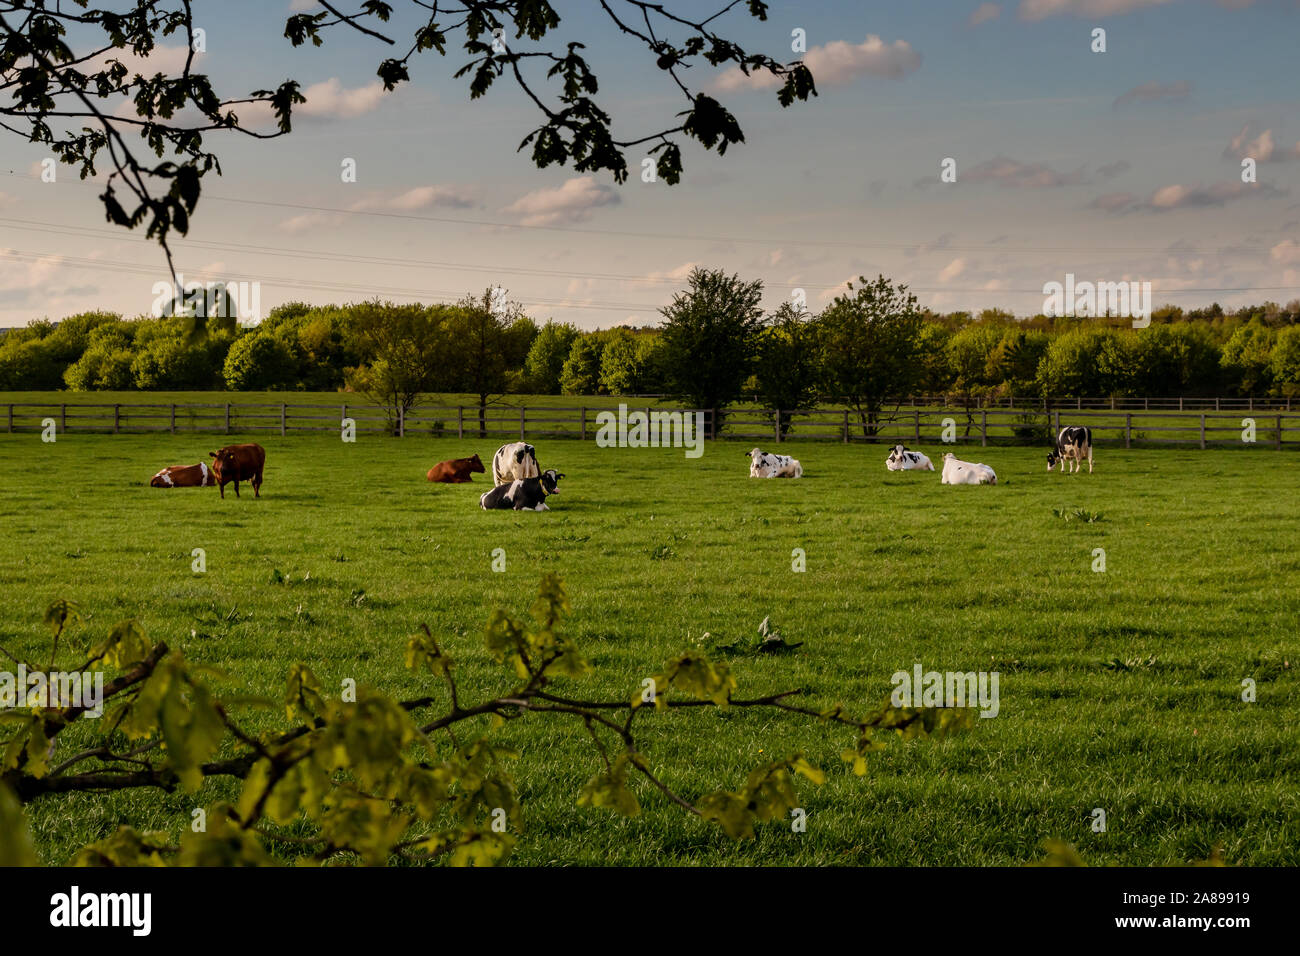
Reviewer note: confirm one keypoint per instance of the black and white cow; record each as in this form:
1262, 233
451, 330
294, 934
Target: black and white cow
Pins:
523, 494
515, 460
1073, 444
900, 459
767, 465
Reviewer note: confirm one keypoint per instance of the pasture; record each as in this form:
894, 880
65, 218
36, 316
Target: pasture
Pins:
1119, 690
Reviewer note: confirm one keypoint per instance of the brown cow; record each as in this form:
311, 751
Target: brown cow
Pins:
456, 471
236, 463
184, 476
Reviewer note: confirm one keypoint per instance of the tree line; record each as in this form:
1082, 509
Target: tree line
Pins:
714, 346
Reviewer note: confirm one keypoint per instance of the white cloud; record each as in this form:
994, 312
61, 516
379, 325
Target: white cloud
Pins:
422, 197
1262, 148
329, 98
1042, 9
984, 13
572, 202
1286, 253
952, 270
836, 64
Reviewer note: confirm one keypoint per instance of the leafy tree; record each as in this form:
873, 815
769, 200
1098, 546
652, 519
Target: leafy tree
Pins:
709, 338
787, 363
374, 780
628, 364
871, 347
970, 351
83, 107
480, 334
402, 349
1014, 362
581, 372
1285, 362
547, 355
166, 356
259, 361
106, 362
1247, 358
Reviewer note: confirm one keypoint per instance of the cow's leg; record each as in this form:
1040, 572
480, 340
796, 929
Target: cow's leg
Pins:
257, 484
236, 487
1090, 461
222, 487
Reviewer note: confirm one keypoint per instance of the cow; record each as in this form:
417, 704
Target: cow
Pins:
900, 459
766, 465
514, 461
1073, 444
957, 472
456, 471
184, 476
237, 463
523, 494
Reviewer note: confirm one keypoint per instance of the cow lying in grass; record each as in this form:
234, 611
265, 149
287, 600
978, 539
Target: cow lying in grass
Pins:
958, 472
456, 471
900, 459
766, 465
184, 476
523, 494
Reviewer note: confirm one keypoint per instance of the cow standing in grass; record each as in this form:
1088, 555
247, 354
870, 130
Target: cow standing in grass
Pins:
239, 463
515, 461
1074, 444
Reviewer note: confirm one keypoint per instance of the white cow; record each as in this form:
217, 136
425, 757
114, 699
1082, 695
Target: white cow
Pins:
958, 472
766, 465
514, 462
900, 459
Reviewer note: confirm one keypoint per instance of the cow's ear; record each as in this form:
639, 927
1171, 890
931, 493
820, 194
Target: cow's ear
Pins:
212, 454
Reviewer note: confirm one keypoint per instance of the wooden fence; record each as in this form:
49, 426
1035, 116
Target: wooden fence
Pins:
1270, 427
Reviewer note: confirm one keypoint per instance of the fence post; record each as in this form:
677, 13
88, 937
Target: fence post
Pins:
916, 427
984, 427
523, 411
1202, 430
173, 418
1279, 433
283, 415
1180, 403
846, 426
713, 424
344, 415
117, 418
401, 422
11, 417
1146, 404
582, 427
1056, 424
227, 418
1216, 403
1128, 430
1079, 402
63, 418
460, 421
778, 426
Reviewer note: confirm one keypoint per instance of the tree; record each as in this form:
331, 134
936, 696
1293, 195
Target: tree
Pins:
546, 357
581, 372
709, 339
628, 364
1247, 358
82, 106
402, 349
871, 348
479, 335
1285, 362
970, 351
259, 361
787, 363
375, 780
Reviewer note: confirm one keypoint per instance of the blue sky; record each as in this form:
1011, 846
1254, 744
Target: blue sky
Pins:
1116, 165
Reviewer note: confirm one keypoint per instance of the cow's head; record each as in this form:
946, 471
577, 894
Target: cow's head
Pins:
223, 462
161, 480
1052, 459
475, 464
753, 454
551, 481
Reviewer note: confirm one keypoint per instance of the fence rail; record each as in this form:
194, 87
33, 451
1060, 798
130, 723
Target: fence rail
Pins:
1269, 427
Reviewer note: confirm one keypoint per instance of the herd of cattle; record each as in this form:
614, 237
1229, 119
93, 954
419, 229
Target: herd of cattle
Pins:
520, 484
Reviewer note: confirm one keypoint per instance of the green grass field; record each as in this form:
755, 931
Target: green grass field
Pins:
1201, 590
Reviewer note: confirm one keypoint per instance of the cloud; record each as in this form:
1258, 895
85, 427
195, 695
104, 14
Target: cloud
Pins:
836, 64
161, 59
302, 6
1042, 9
572, 202
1179, 196
422, 197
329, 98
1154, 91
952, 270
1111, 170
984, 13
1013, 174
1286, 253
1262, 149
309, 222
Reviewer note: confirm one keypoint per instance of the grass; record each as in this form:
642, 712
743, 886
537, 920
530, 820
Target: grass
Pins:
1201, 590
